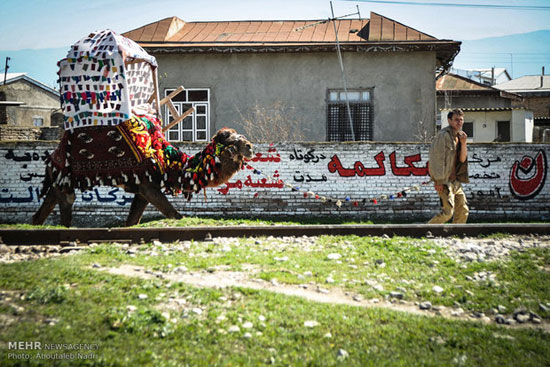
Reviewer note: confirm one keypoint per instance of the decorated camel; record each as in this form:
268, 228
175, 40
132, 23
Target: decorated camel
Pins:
114, 136
167, 169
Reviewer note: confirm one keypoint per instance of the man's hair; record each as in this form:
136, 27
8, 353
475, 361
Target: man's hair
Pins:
456, 111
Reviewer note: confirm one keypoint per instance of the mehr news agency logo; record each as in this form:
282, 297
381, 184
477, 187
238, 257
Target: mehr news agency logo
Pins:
69, 351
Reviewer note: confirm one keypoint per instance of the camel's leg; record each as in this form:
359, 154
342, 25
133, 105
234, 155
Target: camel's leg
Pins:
46, 208
66, 199
136, 210
153, 195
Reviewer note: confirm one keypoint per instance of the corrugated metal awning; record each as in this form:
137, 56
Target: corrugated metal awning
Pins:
484, 109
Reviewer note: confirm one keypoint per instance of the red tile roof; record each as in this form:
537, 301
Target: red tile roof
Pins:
376, 34
385, 29
176, 32
156, 32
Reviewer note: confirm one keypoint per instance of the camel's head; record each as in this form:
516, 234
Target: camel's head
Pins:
237, 144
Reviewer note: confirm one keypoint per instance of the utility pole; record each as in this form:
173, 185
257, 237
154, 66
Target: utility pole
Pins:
343, 73
6, 69
339, 53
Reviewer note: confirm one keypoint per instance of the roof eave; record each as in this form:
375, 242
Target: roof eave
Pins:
531, 92
362, 42
487, 109
445, 50
469, 91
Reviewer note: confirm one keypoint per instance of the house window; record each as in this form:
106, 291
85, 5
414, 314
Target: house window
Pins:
338, 124
503, 131
196, 126
38, 121
468, 128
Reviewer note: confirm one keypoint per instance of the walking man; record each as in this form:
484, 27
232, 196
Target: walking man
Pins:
449, 169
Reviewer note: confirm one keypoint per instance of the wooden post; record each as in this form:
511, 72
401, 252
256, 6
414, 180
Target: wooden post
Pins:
172, 95
178, 119
168, 97
155, 95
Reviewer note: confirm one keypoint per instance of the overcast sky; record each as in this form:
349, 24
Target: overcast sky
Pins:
40, 24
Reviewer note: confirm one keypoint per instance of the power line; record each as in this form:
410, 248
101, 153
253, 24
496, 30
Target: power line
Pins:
497, 62
485, 6
501, 55
481, 57
506, 53
523, 57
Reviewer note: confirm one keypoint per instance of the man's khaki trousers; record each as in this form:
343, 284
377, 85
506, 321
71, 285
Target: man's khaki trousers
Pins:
454, 205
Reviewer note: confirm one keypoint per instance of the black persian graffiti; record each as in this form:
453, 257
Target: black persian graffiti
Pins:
476, 159
32, 194
309, 178
484, 176
109, 198
27, 157
308, 157
491, 193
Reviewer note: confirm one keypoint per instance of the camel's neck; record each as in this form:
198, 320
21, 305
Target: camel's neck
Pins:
205, 168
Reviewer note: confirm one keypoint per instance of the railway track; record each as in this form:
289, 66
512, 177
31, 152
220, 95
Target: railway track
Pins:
31, 237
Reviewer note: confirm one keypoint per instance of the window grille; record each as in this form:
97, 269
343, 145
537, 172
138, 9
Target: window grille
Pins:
338, 125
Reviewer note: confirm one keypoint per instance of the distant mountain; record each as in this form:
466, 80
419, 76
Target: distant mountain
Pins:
529, 52
39, 64
521, 54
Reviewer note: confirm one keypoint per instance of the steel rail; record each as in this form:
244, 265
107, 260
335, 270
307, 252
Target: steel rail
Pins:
22, 237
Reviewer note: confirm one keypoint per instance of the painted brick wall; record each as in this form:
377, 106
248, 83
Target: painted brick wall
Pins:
358, 171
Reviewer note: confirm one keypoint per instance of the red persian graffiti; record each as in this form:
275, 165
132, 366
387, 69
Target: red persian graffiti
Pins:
530, 184
410, 169
358, 168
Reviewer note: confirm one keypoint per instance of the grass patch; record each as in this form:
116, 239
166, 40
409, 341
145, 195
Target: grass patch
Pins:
221, 221
370, 266
29, 226
130, 323
160, 222
295, 220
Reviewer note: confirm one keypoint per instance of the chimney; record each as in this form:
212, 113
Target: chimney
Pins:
493, 75
542, 77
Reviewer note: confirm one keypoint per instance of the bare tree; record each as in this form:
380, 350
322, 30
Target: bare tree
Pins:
275, 122
424, 133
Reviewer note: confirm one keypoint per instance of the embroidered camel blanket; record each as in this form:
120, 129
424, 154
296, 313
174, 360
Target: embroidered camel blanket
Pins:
131, 152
